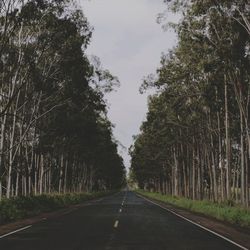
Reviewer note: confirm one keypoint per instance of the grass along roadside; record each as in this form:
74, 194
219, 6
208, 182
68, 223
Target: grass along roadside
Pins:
23, 207
232, 214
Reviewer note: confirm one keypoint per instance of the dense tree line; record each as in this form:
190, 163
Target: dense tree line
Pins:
54, 131
195, 141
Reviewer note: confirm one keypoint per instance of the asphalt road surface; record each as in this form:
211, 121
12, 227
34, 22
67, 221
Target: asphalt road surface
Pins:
122, 221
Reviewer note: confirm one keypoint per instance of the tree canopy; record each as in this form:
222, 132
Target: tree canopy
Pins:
195, 141
55, 134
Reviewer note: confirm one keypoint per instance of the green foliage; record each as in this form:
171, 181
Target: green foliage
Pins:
56, 110
195, 137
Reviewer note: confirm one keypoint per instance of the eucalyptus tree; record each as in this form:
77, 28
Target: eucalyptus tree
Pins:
52, 101
204, 87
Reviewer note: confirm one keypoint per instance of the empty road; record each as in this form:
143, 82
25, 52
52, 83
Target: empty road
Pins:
122, 221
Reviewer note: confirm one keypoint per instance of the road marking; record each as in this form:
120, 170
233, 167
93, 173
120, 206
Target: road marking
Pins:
120, 210
198, 225
16, 231
116, 224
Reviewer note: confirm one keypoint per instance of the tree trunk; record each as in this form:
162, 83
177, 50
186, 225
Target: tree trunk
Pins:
228, 158
60, 175
243, 184
41, 174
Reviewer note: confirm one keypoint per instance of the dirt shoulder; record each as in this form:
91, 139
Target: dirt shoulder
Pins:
235, 233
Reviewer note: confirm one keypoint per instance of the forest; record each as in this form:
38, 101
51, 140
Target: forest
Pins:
55, 135
195, 141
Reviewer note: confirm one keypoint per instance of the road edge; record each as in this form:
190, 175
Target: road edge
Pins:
23, 224
173, 211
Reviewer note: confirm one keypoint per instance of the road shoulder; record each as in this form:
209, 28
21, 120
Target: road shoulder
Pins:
43, 216
234, 233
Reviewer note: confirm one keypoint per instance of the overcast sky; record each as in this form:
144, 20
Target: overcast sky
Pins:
129, 43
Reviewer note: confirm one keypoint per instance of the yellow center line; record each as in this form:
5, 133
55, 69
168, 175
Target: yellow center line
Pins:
116, 224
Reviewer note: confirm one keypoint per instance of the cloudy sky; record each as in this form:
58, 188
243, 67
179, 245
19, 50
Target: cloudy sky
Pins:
129, 43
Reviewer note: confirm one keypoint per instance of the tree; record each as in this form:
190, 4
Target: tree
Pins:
52, 103
203, 90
